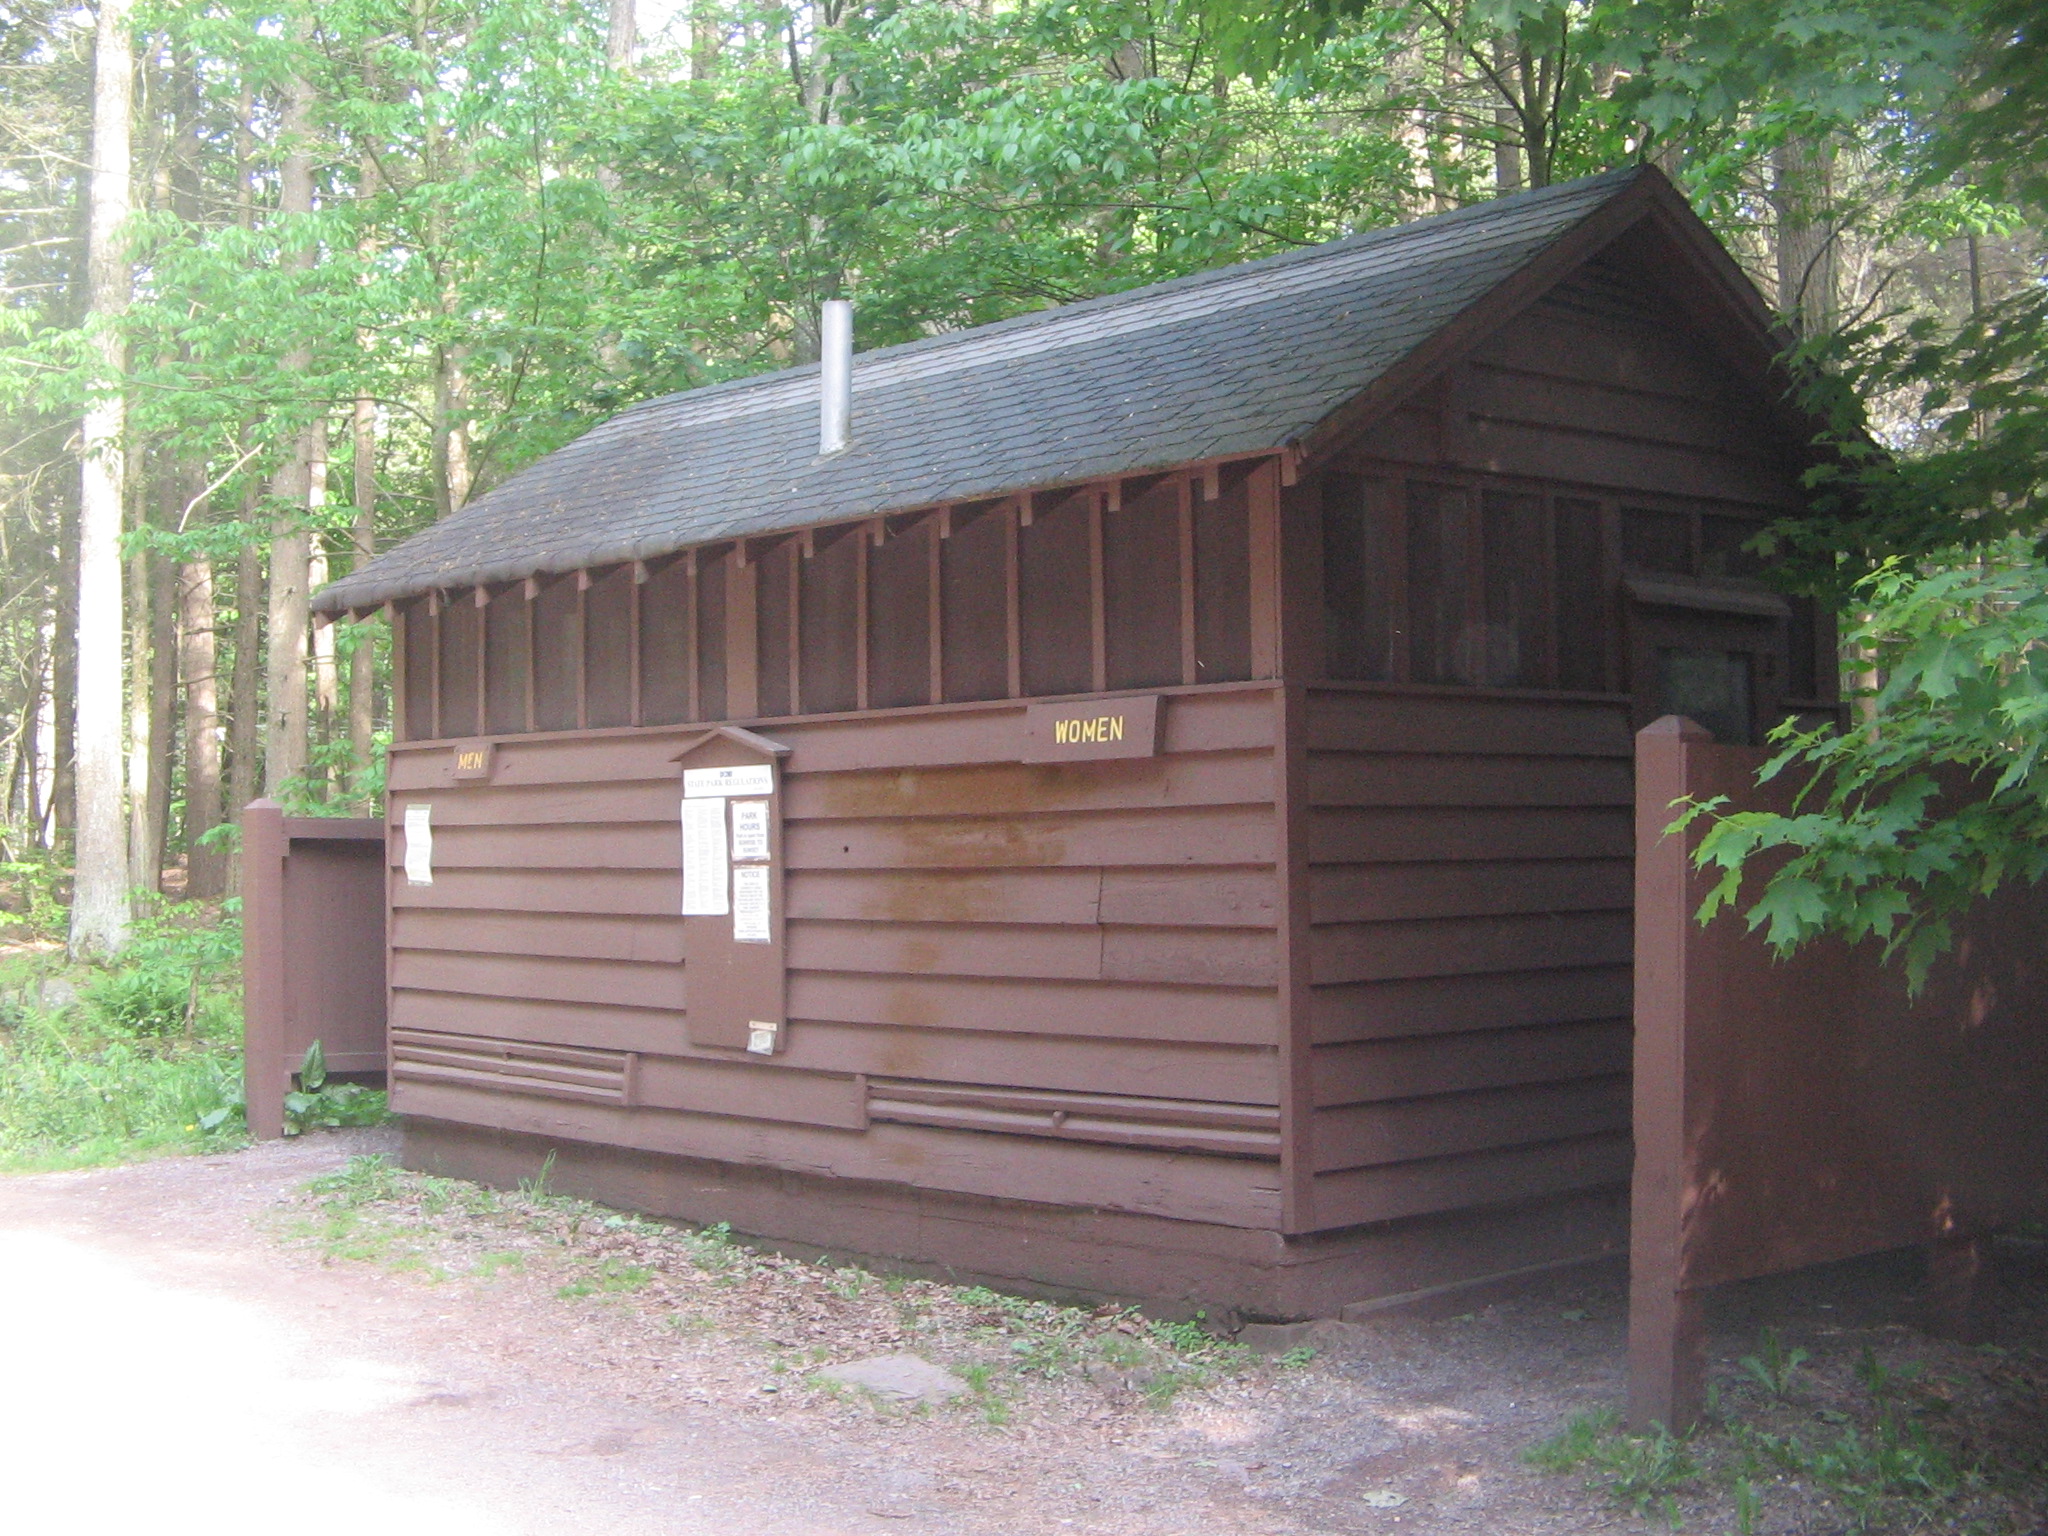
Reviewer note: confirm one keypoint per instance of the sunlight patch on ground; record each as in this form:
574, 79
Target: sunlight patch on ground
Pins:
134, 1405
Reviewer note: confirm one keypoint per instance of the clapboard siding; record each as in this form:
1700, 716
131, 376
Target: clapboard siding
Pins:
1390, 1191
1231, 1191
1587, 393
1442, 1005
975, 922
1365, 1071
1178, 1069
1468, 945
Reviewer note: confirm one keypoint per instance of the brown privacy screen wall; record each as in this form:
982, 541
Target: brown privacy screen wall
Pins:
313, 892
1793, 1112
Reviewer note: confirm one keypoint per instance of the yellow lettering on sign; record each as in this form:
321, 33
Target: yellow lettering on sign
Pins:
469, 760
1074, 733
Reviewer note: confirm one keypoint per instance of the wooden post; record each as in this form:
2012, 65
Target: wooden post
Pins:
1184, 508
1666, 1340
1098, 621
1960, 1289
742, 644
265, 1071
1262, 490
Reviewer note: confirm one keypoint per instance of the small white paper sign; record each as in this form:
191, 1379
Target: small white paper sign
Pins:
748, 779
704, 863
750, 905
419, 845
749, 830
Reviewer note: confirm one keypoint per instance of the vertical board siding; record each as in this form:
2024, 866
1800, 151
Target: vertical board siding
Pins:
973, 607
958, 921
608, 648
557, 653
1469, 895
899, 618
667, 627
461, 664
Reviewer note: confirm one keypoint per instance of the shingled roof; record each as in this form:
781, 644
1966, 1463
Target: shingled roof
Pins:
1237, 361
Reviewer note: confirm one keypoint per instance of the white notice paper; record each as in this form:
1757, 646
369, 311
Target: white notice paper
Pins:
419, 845
749, 830
750, 904
749, 779
704, 858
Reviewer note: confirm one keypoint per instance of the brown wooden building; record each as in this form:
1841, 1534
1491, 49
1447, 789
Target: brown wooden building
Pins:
1159, 801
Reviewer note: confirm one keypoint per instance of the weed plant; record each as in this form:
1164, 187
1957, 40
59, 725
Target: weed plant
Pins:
107, 1064
1869, 1457
1005, 1347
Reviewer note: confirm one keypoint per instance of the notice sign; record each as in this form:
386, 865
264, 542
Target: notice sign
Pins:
704, 862
750, 924
749, 831
748, 779
1091, 729
419, 845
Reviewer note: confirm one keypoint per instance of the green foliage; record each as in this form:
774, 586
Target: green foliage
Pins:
1872, 848
317, 1103
1639, 1471
1574, 1445
1773, 1366
34, 897
1872, 1471
78, 1087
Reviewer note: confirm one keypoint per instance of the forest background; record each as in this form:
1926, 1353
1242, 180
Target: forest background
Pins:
284, 282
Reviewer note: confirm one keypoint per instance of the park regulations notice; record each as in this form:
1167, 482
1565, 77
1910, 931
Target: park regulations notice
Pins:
750, 923
749, 831
704, 862
419, 844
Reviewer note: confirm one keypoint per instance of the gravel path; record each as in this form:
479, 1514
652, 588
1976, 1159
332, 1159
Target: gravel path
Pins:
181, 1356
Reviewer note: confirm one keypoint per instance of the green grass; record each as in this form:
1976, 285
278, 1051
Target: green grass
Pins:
103, 1079
1867, 1454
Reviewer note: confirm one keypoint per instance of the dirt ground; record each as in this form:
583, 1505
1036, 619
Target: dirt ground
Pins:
197, 1343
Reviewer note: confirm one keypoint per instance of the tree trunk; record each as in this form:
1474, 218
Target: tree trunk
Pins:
285, 737
706, 39
244, 691
285, 734
1509, 83
451, 432
205, 864
61, 803
1801, 172
362, 665
163, 705
145, 862
99, 901
326, 680
620, 36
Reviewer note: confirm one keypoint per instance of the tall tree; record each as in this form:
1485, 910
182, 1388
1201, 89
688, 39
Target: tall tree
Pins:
286, 736
99, 906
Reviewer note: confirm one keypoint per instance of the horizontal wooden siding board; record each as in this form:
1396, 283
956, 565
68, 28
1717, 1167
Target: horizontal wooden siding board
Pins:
1361, 1135
1230, 1191
1375, 893
1456, 946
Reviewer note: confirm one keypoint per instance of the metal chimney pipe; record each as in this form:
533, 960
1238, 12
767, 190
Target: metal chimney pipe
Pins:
835, 375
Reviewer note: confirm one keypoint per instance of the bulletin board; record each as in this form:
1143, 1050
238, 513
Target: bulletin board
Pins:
732, 908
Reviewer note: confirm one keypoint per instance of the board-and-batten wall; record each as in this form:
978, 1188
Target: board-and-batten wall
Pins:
1045, 983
